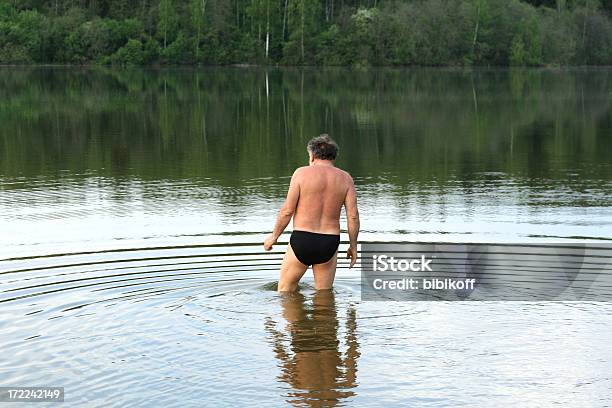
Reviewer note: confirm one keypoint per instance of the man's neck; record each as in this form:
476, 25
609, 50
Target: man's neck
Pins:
320, 162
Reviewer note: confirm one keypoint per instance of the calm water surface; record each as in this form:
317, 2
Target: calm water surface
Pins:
133, 205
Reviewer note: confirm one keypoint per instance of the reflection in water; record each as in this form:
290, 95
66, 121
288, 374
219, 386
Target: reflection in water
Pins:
319, 373
223, 126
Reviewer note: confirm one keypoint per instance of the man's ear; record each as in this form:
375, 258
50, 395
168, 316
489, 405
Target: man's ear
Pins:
310, 158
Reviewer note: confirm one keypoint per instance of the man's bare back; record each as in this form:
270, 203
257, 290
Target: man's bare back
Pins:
322, 191
315, 198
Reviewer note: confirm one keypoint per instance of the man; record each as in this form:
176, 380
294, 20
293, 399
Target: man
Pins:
316, 195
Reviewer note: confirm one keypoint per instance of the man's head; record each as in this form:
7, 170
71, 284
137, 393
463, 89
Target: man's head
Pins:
322, 147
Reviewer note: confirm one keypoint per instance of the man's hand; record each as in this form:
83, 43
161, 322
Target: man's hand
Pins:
269, 242
352, 254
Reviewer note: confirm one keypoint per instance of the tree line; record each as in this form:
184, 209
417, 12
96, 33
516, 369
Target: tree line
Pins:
307, 32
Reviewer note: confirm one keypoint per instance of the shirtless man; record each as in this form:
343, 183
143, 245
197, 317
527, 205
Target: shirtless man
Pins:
316, 195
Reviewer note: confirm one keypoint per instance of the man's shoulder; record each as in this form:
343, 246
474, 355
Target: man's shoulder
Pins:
300, 170
299, 173
346, 174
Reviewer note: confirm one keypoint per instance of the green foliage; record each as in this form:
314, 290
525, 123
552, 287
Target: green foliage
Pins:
14, 54
167, 22
304, 31
20, 36
526, 46
96, 38
518, 55
130, 54
151, 51
308, 32
197, 10
559, 37
362, 40
180, 51
595, 37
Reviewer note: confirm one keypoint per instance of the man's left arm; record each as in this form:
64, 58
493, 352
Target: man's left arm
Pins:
286, 211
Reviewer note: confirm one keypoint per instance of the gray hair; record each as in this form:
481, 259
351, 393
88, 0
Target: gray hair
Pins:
323, 147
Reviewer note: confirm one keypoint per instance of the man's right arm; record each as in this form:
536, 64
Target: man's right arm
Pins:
352, 218
286, 212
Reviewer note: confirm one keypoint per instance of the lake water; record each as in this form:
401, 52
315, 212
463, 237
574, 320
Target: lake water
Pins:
133, 205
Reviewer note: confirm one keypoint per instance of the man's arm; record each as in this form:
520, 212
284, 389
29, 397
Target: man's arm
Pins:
352, 218
286, 211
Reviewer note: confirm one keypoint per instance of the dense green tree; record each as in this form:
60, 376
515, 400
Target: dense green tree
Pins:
559, 36
130, 54
167, 21
308, 32
198, 9
303, 30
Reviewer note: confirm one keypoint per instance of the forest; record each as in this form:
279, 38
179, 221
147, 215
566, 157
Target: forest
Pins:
356, 33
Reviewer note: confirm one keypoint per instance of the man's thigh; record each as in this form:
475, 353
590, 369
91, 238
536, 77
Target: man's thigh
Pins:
291, 272
325, 273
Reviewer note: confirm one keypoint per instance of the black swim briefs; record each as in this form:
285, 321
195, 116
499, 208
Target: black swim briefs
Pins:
312, 248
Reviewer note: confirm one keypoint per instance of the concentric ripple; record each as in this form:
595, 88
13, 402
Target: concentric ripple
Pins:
153, 323
104, 275
202, 324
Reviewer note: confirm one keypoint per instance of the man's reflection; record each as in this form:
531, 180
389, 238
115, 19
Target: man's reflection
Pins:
314, 366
